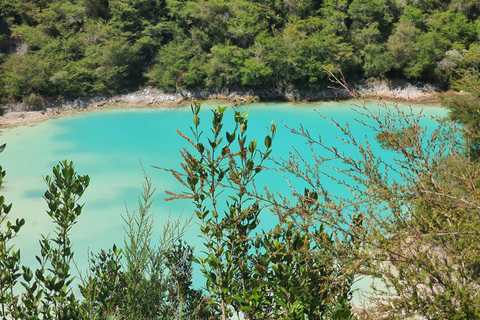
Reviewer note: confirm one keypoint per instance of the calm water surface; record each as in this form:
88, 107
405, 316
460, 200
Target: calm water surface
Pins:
109, 145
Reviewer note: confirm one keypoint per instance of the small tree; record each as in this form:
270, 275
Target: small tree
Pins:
463, 109
50, 295
411, 222
184, 302
245, 268
153, 282
100, 289
9, 258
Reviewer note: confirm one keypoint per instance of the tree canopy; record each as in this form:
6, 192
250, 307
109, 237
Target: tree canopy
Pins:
68, 49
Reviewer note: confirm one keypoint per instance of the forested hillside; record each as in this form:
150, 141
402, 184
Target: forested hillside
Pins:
67, 49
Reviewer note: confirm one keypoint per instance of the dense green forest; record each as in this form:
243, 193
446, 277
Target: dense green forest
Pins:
68, 49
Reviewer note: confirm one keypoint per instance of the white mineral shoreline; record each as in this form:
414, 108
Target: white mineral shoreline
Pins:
18, 115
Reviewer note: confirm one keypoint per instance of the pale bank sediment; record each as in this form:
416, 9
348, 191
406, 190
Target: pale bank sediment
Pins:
20, 114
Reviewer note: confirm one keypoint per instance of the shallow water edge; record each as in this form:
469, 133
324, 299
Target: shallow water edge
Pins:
19, 114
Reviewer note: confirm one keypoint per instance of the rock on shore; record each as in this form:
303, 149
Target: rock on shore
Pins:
20, 114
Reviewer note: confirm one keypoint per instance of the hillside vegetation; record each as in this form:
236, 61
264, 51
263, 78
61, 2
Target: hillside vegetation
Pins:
69, 49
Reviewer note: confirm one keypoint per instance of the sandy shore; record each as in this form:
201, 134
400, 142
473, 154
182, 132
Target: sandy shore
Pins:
19, 115
15, 118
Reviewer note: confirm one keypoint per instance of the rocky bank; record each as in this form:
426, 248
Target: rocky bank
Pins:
21, 114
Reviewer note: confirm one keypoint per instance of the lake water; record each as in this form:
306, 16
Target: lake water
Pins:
109, 145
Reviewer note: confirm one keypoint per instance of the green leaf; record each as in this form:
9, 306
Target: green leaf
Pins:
200, 147
243, 128
252, 146
268, 141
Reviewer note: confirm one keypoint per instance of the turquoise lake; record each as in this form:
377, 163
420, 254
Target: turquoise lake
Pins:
109, 145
